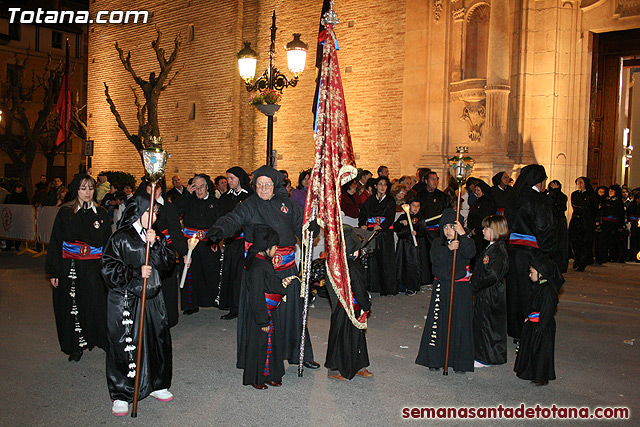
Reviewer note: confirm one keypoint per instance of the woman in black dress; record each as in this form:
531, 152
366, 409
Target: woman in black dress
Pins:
80, 231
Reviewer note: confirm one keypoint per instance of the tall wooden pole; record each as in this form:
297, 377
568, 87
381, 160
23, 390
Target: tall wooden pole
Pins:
453, 283
143, 300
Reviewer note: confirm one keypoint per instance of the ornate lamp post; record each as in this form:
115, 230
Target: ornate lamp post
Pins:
271, 78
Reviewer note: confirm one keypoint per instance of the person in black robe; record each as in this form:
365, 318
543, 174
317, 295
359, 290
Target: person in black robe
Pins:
483, 207
432, 203
263, 363
490, 307
530, 219
501, 191
347, 354
434, 337
80, 231
124, 271
377, 214
270, 205
613, 225
168, 224
558, 201
601, 245
535, 358
633, 216
199, 211
582, 224
233, 254
409, 267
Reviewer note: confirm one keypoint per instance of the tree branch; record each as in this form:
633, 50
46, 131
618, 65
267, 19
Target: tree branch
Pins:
135, 139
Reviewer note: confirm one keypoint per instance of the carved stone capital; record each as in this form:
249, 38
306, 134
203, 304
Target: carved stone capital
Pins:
458, 14
474, 113
437, 9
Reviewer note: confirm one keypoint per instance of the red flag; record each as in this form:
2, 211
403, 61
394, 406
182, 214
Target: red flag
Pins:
334, 165
63, 106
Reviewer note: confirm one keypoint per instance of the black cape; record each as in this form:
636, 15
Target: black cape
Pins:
490, 307
121, 263
581, 226
90, 292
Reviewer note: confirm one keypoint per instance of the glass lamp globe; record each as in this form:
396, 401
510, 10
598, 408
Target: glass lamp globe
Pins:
247, 61
296, 54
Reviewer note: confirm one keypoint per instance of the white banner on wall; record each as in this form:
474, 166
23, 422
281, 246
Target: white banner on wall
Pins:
17, 222
46, 216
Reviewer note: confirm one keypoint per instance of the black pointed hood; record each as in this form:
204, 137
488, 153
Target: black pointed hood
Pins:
264, 237
276, 177
137, 205
548, 270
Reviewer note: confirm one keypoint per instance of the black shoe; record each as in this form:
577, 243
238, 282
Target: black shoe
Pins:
311, 365
75, 356
229, 316
540, 382
190, 312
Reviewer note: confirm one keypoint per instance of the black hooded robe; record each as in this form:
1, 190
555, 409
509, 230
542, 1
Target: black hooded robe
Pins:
530, 219
499, 193
432, 203
233, 258
90, 297
121, 264
410, 274
434, 336
582, 225
558, 202
490, 307
381, 271
285, 217
203, 280
481, 208
347, 345
262, 279
535, 358
168, 223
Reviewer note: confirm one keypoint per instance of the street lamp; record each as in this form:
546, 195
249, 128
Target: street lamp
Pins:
271, 78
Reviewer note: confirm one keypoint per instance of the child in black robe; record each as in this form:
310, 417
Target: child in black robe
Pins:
347, 354
434, 337
535, 359
490, 307
262, 344
409, 257
123, 270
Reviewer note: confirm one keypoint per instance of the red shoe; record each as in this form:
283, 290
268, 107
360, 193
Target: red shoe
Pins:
260, 386
274, 383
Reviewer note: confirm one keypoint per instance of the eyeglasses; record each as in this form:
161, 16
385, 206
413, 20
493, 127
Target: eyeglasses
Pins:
201, 187
267, 185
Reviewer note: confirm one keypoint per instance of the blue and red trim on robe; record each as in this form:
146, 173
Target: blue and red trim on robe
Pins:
80, 250
523, 240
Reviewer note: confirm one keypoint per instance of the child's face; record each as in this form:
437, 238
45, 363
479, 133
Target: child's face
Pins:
449, 231
414, 208
271, 252
533, 274
487, 233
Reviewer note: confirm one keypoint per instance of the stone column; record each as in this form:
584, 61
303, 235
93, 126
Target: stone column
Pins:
497, 89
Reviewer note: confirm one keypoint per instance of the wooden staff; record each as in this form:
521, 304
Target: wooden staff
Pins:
143, 300
405, 208
453, 282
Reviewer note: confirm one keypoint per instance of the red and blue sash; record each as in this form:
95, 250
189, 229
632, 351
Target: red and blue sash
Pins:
167, 236
611, 218
273, 300
200, 234
284, 258
523, 240
80, 250
500, 211
534, 317
433, 227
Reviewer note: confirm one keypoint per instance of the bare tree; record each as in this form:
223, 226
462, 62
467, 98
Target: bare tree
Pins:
147, 112
21, 144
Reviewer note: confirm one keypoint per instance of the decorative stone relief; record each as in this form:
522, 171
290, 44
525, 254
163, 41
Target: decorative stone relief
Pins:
626, 8
437, 9
458, 14
474, 114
